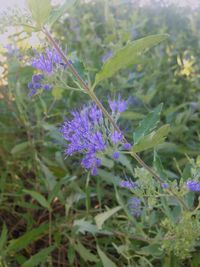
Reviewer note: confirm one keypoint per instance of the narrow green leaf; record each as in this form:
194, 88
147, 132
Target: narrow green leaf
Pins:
39, 257
28, 238
85, 253
37, 196
128, 55
147, 124
40, 10
104, 259
102, 217
3, 237
152, 139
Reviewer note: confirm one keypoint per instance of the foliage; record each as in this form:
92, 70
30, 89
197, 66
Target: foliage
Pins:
53, 212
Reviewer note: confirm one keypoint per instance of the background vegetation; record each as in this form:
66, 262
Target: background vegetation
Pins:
52, 212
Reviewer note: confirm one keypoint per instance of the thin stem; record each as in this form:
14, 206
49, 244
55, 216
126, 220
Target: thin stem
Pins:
105, 112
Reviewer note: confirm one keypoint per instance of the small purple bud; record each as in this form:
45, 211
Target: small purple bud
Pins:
127, 146
37, 78
37, 86
32, 92
116, 155
94, 171
47, 87
30, 85
165, 185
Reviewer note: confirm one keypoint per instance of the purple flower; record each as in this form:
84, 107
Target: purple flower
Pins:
47, 87
165, 185
193, 185
47, 61
116, 137
106, 56
127, 146
116, 155
37, 78
36, 84
128, 184
134, 206
88, 134
118, 105
84, 135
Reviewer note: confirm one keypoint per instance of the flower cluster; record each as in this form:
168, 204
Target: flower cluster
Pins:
46, 62
193, 185
87, 133
128, 184
135, 206
37, 83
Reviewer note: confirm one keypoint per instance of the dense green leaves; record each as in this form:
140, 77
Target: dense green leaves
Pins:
128, 55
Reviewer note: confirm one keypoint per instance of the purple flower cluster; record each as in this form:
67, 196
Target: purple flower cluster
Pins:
193, 185
37, 83
128, 184
118, 105
87, 134
47, 61
135, 206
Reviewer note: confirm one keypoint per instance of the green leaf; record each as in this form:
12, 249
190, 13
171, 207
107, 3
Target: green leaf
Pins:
19, 148
3, 237
40, 10
37, 196
28, 238
39, 258
60, 11
102, 217
85, 253
87, 227
128, 55
153, 250
105, 260
147, 124
152, 139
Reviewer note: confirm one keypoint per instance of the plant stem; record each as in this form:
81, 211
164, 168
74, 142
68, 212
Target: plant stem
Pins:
99, 104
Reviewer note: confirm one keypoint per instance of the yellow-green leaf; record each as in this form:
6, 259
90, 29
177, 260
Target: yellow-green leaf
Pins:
40, 10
